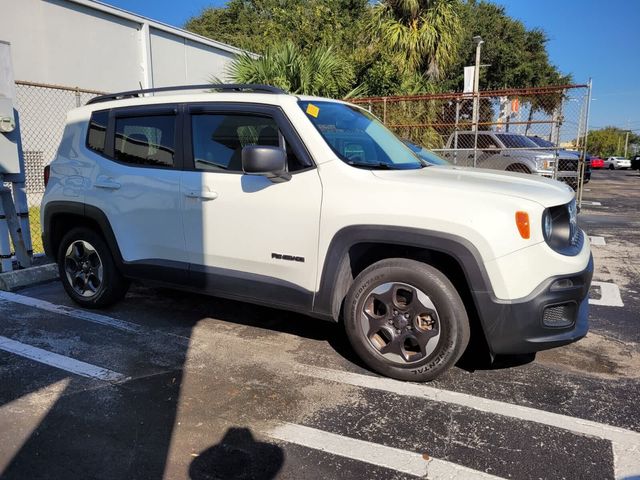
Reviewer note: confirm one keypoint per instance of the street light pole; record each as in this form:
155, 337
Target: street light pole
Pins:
476, 82
626, 144
476, 97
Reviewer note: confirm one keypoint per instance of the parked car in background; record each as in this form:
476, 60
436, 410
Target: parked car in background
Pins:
597, 163
567, 157
617, 163
426, 155
511, 152
635, 163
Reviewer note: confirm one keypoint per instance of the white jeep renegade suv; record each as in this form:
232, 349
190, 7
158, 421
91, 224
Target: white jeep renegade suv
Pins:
312, 205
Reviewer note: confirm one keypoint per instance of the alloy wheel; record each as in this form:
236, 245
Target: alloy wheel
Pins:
401, 322
83, 267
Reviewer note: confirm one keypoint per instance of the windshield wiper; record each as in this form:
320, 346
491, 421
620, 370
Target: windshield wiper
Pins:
377, 165
386, 166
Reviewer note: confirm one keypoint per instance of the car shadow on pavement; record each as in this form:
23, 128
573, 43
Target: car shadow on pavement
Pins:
238, 456
197, 306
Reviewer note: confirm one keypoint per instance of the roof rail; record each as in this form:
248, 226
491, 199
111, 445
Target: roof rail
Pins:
223, 87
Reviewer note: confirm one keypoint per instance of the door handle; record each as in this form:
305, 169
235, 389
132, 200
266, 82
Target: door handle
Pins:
202, 194
106, 182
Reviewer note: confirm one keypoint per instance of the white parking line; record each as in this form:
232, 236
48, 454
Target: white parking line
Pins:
374, 453
609, 295
597, 241
625, 443
594, 204
71, 312
60, 361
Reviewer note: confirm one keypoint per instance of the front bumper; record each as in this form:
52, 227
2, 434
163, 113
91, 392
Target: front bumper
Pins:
517, 327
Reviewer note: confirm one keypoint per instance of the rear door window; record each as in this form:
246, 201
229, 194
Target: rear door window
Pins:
145, 140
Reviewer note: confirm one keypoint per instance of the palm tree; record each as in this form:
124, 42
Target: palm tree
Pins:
316, 71
422, 34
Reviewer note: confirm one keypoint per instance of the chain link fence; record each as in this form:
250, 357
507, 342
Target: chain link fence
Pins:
43, 111
536, 131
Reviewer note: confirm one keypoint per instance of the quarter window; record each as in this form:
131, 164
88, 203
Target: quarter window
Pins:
148, 141
98, 130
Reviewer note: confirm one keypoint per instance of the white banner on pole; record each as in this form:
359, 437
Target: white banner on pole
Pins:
468, 79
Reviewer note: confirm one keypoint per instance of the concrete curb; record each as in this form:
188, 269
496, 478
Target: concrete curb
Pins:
10, 281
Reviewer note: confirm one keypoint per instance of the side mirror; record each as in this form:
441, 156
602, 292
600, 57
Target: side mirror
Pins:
270, 162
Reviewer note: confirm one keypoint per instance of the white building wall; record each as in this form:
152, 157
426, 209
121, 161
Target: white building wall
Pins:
94, 46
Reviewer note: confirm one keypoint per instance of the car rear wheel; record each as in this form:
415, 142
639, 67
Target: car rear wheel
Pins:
87, 270
611, 167
406, 320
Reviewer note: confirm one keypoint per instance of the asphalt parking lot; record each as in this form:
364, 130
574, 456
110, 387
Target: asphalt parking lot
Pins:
174, 385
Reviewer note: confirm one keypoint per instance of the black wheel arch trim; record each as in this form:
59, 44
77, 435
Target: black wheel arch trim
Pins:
80, 209
333, 271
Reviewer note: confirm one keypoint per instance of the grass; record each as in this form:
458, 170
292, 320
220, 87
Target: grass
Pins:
36, 230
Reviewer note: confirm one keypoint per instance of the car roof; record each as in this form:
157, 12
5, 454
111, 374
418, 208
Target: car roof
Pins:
278, 99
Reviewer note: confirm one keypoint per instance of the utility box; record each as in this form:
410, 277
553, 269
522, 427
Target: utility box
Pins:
9, 160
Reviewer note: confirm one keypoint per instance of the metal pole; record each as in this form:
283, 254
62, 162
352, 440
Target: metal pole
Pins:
557, 123
626, 144
455, 133
384, 110
476, 97
586, 136
5, 247
476, 82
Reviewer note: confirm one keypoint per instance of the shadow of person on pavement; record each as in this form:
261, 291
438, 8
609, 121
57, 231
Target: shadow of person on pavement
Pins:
238, 456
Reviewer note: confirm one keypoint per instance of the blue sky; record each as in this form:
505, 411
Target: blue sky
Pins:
588, 38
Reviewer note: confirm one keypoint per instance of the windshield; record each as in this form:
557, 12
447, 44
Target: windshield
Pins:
358, 138
541, 142
511, 140
426, 155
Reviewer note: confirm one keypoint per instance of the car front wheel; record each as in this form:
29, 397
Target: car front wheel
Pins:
87, 270
406, 320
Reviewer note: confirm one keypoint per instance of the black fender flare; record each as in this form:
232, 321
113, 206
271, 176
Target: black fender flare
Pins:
329, 297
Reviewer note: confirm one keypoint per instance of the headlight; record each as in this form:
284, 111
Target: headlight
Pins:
548, 225
545, 162
560, 226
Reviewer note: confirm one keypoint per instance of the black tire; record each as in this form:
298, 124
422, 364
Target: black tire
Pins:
611, 167
112, 287
450, 313
518, 168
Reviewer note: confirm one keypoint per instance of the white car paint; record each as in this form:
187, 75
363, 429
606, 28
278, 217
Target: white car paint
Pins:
248, 220
617, 163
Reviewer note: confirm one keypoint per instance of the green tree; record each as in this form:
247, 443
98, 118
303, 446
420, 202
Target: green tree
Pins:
393, 46
256, 25
609, 141
421, 34
317, 71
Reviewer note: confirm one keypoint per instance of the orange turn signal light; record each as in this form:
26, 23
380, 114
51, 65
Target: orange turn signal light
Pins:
524, 227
